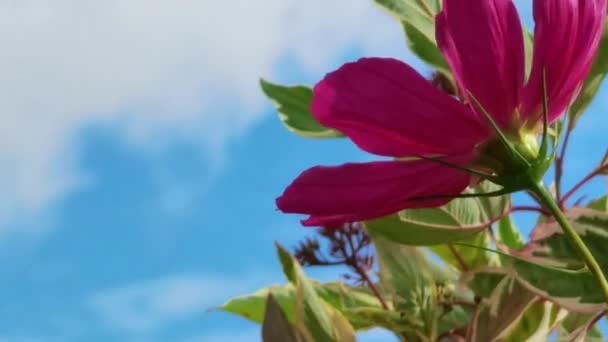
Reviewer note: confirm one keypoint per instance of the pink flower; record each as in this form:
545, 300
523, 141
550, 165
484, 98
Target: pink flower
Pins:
386, 108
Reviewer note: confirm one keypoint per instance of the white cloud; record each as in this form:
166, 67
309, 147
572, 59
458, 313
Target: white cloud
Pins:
157, 70
146, 308
149, 306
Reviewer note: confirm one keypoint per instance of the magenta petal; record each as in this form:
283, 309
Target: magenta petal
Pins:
362, 191
566, 37
482, 41
387, 108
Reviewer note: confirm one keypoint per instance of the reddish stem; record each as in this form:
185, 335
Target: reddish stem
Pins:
530, 208
596, 172
458, 258
596, 319
372, 286
351, 260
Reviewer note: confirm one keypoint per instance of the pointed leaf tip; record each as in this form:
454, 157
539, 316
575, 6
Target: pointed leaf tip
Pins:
293, 104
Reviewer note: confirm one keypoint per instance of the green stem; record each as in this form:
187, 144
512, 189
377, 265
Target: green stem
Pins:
572, 235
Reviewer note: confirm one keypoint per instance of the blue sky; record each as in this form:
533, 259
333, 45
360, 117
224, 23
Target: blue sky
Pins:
140, 162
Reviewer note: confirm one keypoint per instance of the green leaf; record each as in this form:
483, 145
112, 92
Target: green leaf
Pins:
426, 49
499, 314
550, 267
536, 323
344, 298
600, 204
574, 328
550, 246
596, 76
508, 233
397, 322
417, 287
253, 306
293, 104
315, 319
418, 21
464, 258
420, 231
528, 49
347, 300
311, 316
342, 327
493, 206
276, 327
417, 13
459, 219
490, 208
484, 283
574, 290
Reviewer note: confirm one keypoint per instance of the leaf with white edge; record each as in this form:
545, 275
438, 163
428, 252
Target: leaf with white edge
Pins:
252, 306
312, 318
528, 49
344, 330
483, 285
293, 105
498, 314
420, 14
537, 322
467, 258
276, 327
426, 49
418, 231
457, 317
345, 299
575, 327
342, 297
315, 319
463, 258
578, 335
600, 204
549, 246
594, 80
417, 287
573, 290
417, 18
491, 207
459, 219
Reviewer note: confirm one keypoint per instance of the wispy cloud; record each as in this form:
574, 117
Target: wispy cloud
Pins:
153, 305
148, 308
158, 71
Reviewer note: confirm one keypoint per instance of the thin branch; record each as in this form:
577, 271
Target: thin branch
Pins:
595, 172
539, 210
458, 258
372, 286
595, 320
352, 261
